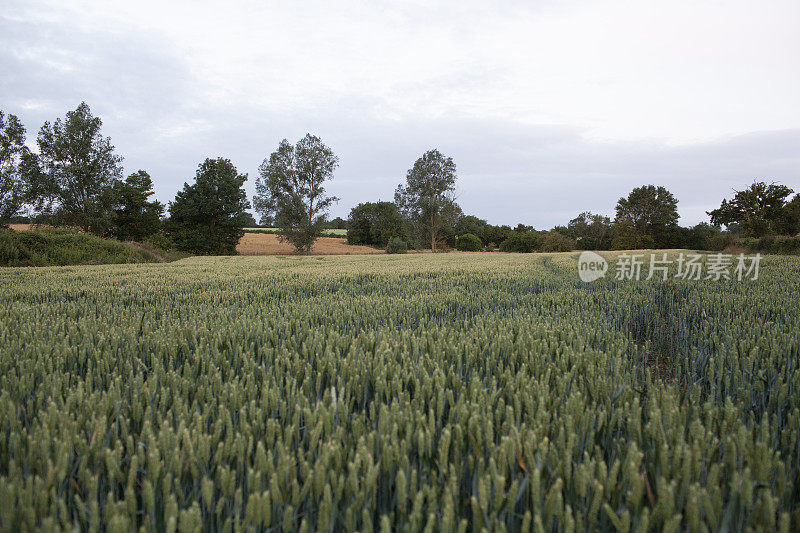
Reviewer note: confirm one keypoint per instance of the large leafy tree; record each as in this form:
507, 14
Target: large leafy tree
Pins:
374, 224
77, 172
649, 211
136, 216
14, 183
209, 217
290, 189
428, 197
760, 209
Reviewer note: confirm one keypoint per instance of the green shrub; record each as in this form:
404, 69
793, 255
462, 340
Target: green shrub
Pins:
59, 246
786, 245
160, 240
719, 242
558, 242
520, 242
469, 243
396, 246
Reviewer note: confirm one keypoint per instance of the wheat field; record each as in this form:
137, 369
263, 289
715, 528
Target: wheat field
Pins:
444, 392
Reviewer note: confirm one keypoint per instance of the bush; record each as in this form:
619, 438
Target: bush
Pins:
469, 243
719, 242
58, 247
771, 244
520, 242
396, 246
374, 224
160, 240
786, 245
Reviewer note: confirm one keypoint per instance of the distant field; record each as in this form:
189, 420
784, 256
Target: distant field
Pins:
268, 244
333, 232
449, 392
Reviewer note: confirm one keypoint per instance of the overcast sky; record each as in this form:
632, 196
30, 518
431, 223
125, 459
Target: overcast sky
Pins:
548, 108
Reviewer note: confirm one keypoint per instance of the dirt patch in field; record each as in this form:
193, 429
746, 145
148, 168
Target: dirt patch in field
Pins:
21, 227
268, 244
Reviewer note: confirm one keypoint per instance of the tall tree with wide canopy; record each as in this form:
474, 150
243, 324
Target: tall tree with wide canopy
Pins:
77, 172
290, 190
428, 196
760, 209
209, 217
14, 183
651, 211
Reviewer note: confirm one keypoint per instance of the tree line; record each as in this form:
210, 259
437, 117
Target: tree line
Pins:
75, 179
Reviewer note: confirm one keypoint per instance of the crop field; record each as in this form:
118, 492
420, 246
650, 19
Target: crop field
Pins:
268, 244
437, 392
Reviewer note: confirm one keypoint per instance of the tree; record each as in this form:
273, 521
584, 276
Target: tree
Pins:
760, 209
591, 231
136, 217
521, 241
250, 221
374, 224
290, 188
14, 183
77, 172
208, 217
791, 222
337, 223
555, 241
474, 225
649, 211
428, 196
698, 237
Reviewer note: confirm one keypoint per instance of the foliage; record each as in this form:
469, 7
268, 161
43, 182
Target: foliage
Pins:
591, 231
760, 209
469, 243
428, 197
697, 237
250, 221
56, 247
208, 216
474, 225
14, 180
721, 241
554, 241
493, 236
136, 217
626, 237
649, 211
396, 246
374, 224
290, 189
160, 240
521, 242
403, 392
77, 169
336, 223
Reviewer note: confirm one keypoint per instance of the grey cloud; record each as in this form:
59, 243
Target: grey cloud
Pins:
155, 111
